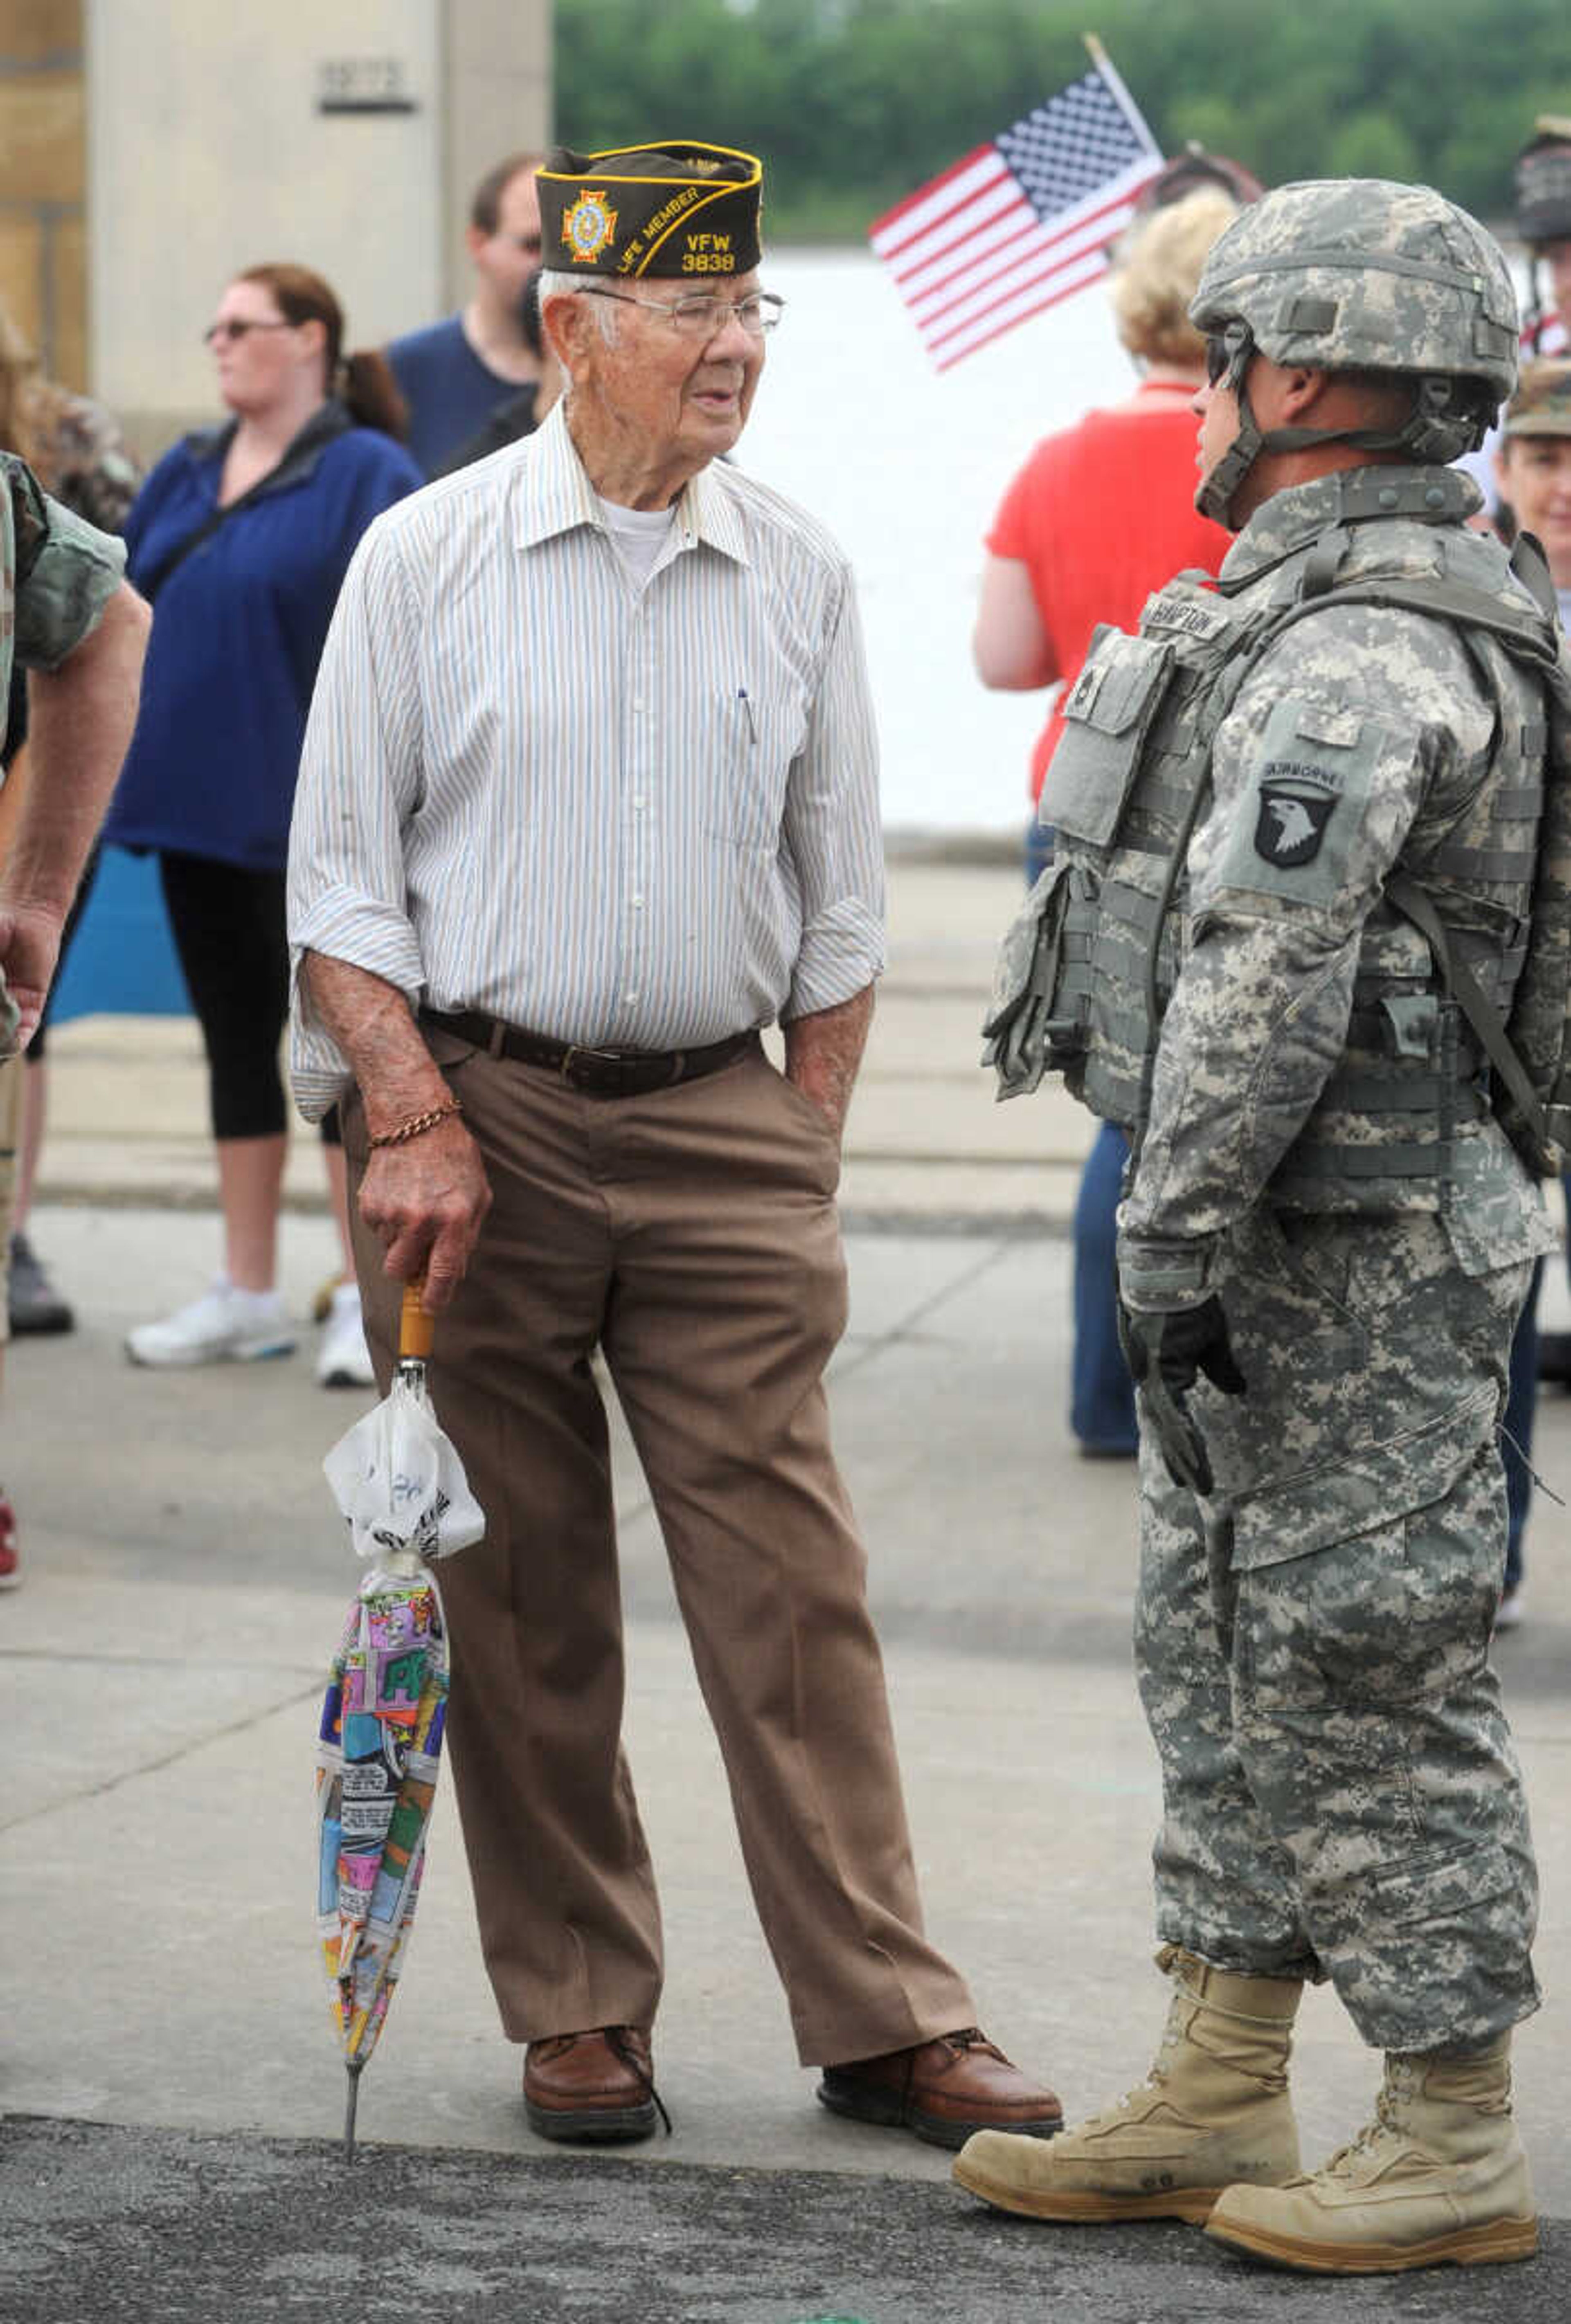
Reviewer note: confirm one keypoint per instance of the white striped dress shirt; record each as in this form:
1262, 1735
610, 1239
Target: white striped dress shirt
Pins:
637, 818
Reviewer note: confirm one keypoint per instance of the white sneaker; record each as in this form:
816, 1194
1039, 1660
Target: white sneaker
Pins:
224, 1325
343, 1360
1508, 1612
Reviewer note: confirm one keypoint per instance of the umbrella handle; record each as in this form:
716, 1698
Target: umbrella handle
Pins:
416, 1329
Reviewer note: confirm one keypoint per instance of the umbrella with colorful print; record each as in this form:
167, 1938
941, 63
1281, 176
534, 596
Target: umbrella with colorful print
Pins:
402, 1488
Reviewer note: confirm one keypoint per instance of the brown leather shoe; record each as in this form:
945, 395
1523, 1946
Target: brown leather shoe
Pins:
596, 2085
943, 2091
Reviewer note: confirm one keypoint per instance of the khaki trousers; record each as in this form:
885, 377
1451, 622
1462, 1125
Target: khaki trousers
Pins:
692, 1235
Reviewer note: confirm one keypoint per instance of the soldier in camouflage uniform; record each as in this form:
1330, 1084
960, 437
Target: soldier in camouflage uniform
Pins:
1284, 807
67, 617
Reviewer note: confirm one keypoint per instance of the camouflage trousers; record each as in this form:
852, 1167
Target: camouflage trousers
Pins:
1341, 1794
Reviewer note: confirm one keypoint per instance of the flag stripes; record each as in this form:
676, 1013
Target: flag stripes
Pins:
1019, 223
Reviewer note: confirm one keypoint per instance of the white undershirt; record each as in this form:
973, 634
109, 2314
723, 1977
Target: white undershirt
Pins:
637, 535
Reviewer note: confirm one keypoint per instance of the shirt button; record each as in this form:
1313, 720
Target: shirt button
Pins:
639, 805
638, 903
628, 999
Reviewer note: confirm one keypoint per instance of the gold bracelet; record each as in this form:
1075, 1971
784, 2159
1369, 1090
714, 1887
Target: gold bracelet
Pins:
418, 1124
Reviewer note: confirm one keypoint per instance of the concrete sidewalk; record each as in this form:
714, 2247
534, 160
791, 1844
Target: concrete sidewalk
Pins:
166, 2060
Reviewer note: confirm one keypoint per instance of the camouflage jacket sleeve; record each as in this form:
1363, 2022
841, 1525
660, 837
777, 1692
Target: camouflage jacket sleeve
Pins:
66, 573
1358, 730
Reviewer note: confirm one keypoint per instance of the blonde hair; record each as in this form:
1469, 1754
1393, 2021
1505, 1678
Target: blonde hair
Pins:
1157, 272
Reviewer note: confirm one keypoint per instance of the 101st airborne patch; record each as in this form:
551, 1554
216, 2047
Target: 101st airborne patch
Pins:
1291, 822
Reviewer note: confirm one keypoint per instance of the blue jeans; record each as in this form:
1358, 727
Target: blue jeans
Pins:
1102, 1394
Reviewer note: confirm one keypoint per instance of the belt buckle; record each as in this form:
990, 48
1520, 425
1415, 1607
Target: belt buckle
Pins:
578, 1066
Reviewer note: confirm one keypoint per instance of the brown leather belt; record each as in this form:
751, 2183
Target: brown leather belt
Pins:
596, 1073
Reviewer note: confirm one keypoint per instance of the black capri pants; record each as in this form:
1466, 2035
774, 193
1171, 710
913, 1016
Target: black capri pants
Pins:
229, 928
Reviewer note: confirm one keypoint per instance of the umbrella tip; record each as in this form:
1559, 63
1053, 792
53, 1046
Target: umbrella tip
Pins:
350, 2103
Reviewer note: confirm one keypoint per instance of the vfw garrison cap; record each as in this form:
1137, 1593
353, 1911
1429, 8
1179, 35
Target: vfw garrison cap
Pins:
686, 210
1541, 405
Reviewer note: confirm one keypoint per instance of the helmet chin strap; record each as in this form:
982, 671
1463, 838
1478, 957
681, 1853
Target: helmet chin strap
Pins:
1432, 431
1215, 494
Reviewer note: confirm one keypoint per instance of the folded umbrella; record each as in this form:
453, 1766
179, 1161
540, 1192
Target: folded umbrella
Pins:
402, 1488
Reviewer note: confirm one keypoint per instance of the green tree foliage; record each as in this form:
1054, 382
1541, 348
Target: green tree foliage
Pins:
853, 103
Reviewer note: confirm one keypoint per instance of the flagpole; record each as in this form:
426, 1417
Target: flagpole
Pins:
1105, 65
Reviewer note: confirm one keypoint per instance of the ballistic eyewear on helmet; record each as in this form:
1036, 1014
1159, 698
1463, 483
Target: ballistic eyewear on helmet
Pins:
1221, 347
701, 317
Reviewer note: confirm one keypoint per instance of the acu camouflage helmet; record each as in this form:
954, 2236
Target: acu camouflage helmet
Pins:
1363, 274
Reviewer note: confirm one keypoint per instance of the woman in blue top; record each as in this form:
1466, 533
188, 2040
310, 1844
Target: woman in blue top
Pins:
242, 535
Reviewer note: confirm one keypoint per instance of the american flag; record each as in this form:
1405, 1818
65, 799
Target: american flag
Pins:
1022, 221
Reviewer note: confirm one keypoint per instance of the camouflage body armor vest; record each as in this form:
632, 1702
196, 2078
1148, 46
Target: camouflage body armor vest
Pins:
1087, 971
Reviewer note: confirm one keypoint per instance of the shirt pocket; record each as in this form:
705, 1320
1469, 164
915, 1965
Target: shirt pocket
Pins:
752, 735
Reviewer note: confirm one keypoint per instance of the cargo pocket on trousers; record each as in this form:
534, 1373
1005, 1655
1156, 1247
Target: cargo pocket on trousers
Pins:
1433, 1891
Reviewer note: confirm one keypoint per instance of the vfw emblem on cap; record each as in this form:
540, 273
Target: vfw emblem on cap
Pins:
588, 227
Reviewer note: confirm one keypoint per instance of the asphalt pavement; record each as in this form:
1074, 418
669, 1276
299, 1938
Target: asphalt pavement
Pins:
169, 2082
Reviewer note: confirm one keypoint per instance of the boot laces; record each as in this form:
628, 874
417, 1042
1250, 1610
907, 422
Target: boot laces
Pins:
1156, 2078
1385, 2124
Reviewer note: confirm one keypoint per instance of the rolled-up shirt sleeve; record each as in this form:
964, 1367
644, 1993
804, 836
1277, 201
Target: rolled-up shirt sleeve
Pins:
832, 829
360, 781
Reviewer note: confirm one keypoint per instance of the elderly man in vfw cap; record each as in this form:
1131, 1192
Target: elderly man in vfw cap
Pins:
588, 797
1298, 819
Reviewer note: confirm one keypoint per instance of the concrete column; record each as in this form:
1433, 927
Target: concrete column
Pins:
497, 69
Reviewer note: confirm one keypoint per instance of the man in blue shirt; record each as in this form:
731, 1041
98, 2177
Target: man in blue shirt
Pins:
453, 374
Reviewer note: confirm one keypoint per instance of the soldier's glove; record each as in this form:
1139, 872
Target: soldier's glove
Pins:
1166, 1352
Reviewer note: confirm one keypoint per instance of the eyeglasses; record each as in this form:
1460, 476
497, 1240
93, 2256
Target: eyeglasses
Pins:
226, 329
702, 317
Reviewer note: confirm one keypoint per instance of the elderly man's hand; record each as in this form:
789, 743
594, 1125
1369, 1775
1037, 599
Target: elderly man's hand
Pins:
28, 951
425, 1201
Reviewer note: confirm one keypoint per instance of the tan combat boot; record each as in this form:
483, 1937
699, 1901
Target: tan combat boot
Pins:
1214, 2109
1440, 2174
